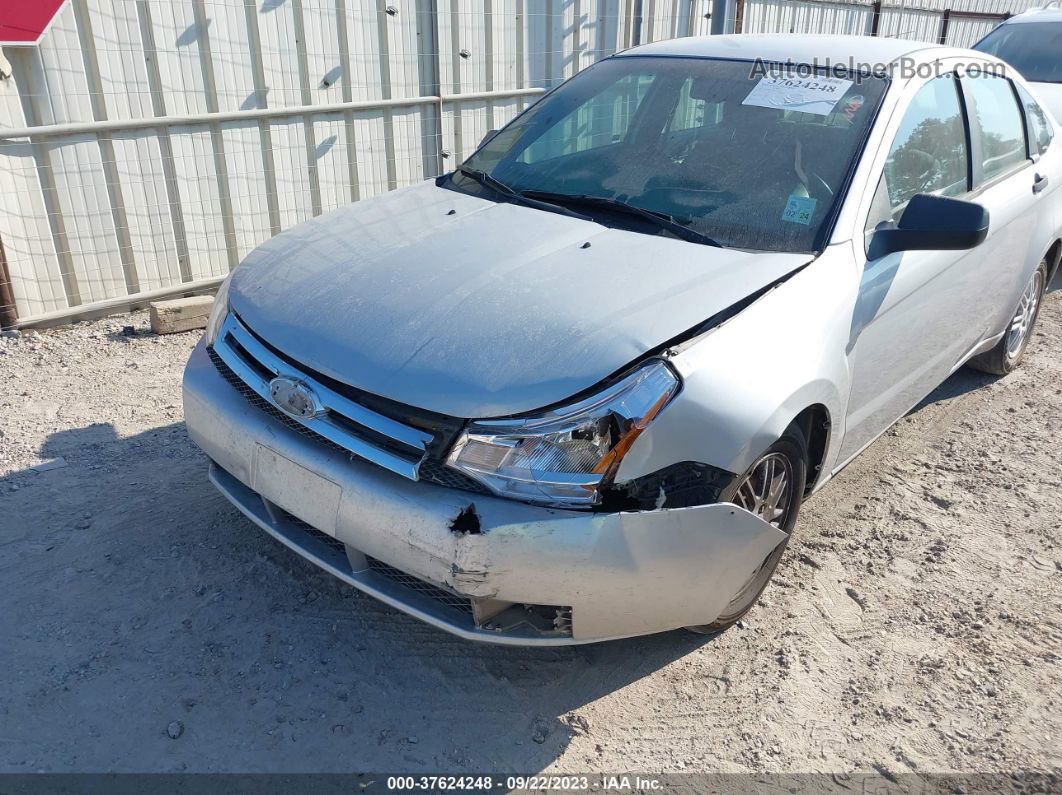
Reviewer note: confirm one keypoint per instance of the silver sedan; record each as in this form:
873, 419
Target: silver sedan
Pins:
578, 388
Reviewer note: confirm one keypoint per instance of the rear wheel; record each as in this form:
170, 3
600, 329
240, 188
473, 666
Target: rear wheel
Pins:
1003, 358
772, 489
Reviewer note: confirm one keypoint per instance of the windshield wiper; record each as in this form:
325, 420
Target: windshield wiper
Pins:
499, 187
661, 220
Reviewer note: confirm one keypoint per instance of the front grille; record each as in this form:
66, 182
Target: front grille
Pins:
397, 576
434, 592
255, 400
443, 428
249, 365
332, 542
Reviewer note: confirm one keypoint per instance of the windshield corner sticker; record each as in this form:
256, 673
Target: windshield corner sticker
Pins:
799, 209
818, 95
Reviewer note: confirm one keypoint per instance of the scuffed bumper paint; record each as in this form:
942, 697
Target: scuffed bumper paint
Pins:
622, 574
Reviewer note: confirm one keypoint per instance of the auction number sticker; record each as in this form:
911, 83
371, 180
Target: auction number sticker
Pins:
818, 95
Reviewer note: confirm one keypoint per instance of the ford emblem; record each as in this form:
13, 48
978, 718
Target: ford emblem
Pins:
294, 398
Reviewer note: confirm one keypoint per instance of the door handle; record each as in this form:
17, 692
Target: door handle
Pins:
1039, 183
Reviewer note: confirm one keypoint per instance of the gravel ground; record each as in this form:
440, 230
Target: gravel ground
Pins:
914, 624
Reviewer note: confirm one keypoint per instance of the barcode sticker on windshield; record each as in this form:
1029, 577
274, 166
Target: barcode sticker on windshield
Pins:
799, 210
818, 95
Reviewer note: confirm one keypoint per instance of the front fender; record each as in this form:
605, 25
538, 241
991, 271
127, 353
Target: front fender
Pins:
745, 381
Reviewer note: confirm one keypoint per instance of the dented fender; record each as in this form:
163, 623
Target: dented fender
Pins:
728, 413
623, 573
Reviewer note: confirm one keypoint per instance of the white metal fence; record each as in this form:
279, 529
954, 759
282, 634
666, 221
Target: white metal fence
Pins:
147, 145
957, 23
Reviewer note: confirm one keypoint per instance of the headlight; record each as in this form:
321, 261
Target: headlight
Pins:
565, 455
218, 312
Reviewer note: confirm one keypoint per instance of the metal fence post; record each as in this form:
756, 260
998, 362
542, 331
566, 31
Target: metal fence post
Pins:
430, 85
8, 310
944, 20
720, 14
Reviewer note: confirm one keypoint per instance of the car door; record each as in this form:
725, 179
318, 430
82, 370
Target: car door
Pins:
911, 320
1045, 151
920, 314
1004, 179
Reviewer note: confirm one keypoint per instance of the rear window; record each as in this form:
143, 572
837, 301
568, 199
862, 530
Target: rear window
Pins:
1040, 133
1034, 49
1002, 129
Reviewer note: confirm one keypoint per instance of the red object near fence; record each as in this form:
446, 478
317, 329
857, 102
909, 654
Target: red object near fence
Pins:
24, 21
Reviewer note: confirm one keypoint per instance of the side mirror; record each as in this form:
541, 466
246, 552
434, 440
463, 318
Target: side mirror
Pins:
932, 223
490, 134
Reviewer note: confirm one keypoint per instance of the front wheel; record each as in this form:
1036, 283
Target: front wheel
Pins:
772, 489
1003, 358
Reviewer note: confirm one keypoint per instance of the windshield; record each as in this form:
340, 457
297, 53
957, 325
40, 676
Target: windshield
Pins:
1035, 50
740, 158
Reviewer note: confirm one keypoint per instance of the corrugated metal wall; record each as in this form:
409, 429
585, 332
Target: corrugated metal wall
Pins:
922, 20
786, 16
172, 136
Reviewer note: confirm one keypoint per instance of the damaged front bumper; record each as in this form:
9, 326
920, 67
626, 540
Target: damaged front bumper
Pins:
481, 567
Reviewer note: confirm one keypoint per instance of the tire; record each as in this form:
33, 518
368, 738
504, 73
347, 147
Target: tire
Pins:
791, 451
1007, 355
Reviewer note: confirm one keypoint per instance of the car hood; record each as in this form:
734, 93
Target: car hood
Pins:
472, 308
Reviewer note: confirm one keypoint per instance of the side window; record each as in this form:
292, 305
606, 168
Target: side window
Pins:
600, 121
996, 112
928, 154
1040, 133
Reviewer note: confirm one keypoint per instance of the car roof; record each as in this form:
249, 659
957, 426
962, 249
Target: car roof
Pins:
1045, 14
822, 50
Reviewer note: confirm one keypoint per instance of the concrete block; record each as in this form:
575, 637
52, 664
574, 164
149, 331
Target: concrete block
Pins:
180, 314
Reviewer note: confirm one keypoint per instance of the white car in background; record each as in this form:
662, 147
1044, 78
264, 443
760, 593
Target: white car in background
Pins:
1031, 42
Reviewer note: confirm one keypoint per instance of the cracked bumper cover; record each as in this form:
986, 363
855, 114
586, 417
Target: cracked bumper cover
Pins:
622, 574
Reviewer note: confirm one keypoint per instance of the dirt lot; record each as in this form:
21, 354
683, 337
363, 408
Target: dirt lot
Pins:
914, 624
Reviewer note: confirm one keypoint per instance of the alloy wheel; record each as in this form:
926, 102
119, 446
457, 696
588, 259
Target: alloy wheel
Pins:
767, 490
1025, 315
